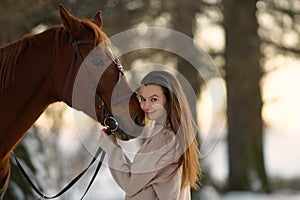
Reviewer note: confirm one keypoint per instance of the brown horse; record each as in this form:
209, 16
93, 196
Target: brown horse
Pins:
41, 69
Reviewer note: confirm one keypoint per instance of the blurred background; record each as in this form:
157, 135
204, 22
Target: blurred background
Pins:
256, 46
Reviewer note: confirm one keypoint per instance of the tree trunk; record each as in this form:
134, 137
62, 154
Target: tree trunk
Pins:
183, 21
244, 103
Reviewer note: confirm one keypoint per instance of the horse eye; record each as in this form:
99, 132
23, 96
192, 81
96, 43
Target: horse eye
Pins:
97, 62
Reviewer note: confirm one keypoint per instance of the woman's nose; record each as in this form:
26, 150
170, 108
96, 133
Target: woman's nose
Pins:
145, 106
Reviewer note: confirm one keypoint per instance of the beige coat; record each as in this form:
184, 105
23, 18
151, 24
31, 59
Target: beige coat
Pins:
154, 173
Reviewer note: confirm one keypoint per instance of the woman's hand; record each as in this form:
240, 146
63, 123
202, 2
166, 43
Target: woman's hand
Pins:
105, 133
107, 142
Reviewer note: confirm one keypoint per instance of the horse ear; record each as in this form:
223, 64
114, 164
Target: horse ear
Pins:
98, 19
70, 22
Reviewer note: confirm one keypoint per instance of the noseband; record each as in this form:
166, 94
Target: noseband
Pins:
107, 118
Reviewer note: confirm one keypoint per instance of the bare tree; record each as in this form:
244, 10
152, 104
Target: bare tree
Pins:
244, 102
284, 19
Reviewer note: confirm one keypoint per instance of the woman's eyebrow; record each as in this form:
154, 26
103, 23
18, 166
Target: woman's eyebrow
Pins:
154, 95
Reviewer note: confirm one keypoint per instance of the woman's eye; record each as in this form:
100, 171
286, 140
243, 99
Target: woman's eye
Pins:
142, 99
153, 99
97, 62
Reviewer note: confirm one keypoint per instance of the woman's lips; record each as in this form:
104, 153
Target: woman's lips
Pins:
149, 113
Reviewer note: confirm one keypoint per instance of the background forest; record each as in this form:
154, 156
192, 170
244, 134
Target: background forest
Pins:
256, 46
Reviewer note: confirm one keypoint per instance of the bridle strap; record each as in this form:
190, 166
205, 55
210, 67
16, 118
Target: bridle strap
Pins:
119, 67
75, 53
67, 187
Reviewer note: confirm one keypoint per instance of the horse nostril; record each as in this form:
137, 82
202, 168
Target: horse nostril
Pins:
139, 120
125, 137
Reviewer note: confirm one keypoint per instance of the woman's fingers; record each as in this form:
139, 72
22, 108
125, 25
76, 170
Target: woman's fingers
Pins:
105, 133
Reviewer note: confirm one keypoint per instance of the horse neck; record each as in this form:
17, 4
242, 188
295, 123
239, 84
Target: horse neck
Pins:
34, 54
28, 93
49, 49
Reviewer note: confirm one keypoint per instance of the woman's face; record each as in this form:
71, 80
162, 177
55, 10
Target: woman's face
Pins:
153, 103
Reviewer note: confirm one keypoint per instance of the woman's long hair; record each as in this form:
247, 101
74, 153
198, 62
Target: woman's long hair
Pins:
180, 118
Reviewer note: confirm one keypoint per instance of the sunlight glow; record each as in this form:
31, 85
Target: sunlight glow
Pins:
281, 96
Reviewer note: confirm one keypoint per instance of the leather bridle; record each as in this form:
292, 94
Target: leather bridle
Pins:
107, 119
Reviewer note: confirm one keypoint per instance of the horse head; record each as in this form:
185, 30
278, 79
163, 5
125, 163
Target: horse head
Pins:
94, 82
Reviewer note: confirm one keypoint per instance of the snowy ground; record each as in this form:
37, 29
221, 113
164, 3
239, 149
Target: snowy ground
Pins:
281, 156
210, 194
281, 161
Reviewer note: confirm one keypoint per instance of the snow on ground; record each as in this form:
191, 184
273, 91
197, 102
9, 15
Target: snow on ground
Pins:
282, 195
209, 193
281, 161
281, 156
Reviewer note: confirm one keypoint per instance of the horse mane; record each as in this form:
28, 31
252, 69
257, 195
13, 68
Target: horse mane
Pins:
9, 55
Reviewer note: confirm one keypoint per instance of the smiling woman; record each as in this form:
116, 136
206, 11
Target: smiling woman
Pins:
154, 103
167, 164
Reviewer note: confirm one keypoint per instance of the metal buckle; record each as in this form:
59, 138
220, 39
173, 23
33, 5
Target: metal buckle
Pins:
109, 124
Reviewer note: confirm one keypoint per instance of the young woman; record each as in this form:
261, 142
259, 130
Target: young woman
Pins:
167, 164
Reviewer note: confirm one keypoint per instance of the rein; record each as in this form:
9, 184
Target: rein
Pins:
67, 187
107, 120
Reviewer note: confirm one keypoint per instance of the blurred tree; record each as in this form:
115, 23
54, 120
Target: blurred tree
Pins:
19, 17
256, 31
282, 18
244, 102
183, 20
267, 27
